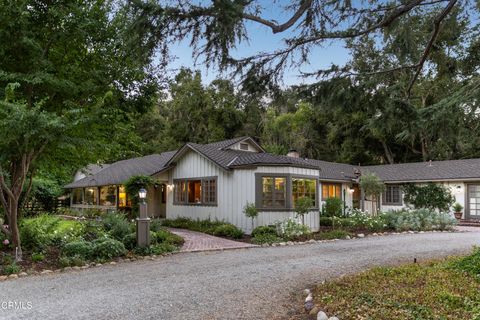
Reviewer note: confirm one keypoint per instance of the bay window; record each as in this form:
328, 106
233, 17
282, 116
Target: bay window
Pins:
91, 195
274, 192
331, 190
108, 196
77, 196
304, 188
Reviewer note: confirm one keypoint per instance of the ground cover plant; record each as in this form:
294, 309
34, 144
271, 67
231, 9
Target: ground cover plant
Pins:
213, 227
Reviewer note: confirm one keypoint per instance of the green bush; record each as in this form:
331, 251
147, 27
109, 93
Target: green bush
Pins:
228, 230
431, 196
75, 261
37, 257
334, 234
158, 249
106, 249
418, 220
333, 207
117, 225
263, 238
164, 236
156, 225
82, 249
11, 268
290, 229
93, 230
264, 230
469, 264
326, 221
130, 241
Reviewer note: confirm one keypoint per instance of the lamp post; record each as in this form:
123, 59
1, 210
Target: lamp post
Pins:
143, 221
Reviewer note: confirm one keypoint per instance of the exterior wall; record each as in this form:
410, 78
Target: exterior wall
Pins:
251, 147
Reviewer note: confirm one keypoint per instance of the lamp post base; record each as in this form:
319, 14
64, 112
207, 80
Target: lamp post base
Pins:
143, 232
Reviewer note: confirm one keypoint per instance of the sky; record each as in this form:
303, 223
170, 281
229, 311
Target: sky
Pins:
262, 39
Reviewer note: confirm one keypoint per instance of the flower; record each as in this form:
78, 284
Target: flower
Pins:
6, 242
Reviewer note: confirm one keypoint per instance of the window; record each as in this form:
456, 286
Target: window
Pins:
274, 192
201, 191
304, 188
393, 195
331, 190
244, 146
123, 200
77, 196
108, 196
91, 196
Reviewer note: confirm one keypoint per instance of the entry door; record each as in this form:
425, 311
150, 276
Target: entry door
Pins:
473, 200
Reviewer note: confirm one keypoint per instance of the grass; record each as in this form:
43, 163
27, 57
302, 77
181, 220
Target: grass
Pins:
446, 289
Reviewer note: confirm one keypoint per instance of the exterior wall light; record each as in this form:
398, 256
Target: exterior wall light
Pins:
142, 194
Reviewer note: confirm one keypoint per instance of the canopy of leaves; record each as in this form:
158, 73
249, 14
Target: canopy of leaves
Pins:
431, 196
371, 184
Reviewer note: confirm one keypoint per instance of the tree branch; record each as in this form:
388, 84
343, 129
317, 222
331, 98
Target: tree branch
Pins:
436, 29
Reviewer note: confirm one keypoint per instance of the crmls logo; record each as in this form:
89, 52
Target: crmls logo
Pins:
16, 305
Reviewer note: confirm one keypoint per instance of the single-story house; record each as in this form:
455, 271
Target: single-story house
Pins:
217, 180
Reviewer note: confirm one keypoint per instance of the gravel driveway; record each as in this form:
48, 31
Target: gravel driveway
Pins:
256, 283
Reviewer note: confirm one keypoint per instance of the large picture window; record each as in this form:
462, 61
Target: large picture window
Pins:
199, 191
274, 192
77, 196
302, 188
331, 190
393, 195
108, 196
91, 195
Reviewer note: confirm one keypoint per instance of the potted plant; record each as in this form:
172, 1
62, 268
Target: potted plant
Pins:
457, 210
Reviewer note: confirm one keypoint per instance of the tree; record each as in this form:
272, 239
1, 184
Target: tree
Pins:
133, 186
250, 211
216, 28
430, 196
373, 187
303, 206
67, 85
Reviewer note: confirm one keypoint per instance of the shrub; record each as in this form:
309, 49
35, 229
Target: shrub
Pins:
302, 206
326, 221
457, 207
160, 248
82, 249
333, 207
228, 230
264, 230
206, 226
37, 257
92, 213
75, 261
373, 187
11, 268
290, 229
108, 249
130, 241
431, 196
156, 225
334, 234
38, 233
266, 238
117, 225
164, 236
417, 220
93, 230
67, 231
250, 211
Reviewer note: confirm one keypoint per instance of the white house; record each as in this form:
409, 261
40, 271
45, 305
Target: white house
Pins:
216, 180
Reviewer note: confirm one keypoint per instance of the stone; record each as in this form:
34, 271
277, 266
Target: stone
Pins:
307, 292
422, 232
23, 274
361, 235
290, 243
375, 234
322, 316
309, 298
411, 232
57, 270
46, 272
67, 269
13, 276
265, 245
314, 311
113, 263
85, 267
3, 278
333, 318
348, 237
309, 305
76, 268
282, 244
311, 241
98, 265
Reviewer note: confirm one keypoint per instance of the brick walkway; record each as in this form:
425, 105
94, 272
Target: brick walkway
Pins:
197, 241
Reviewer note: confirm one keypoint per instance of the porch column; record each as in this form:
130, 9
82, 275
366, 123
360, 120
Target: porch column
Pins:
362, 199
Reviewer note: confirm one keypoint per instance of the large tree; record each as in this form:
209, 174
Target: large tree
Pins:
68, 83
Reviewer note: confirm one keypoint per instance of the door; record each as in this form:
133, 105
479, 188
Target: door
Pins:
473, 202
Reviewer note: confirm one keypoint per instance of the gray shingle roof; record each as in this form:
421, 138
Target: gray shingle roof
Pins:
121, 171
427, 171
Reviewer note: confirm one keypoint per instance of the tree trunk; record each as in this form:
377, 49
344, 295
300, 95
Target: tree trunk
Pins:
15, 231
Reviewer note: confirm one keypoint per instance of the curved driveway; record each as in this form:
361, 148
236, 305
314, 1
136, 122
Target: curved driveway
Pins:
256, 283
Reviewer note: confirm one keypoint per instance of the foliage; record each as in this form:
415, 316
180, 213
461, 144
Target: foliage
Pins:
333, 234
264, 230
117, 225
45, 192
430, 290
38, 257
372, 187
290, 229
134, 184
333, 207
80, 248
165, 236
74, 261
457, 207
362, 220
326, 221
11, 268
250, 211
268, 238
156, 249
156, 225
106, 249
93, 230
418, 220
469, 264
432, 196
303, 206
228, 230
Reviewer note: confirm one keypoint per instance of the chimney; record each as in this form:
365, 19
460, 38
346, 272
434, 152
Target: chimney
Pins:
293, 153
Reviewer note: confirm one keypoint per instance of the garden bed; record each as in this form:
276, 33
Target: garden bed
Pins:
441, 289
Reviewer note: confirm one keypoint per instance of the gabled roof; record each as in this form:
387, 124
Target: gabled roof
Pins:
121, 171
466, 169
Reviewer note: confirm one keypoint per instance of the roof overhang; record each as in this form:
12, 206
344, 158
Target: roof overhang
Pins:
186, 148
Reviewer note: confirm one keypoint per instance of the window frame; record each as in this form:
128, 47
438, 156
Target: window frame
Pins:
181, 199
392, 203
316, 200
337, 184
289, 206
115, 188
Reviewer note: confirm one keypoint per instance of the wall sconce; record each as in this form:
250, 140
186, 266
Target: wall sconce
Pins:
170, 187
351, 190
458, 189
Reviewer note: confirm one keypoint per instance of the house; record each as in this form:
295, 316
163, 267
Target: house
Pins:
216, 180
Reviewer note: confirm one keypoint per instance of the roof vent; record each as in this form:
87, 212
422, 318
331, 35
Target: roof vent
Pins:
293, 153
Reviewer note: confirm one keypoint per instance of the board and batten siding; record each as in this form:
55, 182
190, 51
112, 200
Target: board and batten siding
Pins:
234, 189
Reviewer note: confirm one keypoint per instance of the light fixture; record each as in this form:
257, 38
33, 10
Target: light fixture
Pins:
142, 194
170, 187
351, 190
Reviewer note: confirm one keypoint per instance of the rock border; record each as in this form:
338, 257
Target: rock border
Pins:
312, 310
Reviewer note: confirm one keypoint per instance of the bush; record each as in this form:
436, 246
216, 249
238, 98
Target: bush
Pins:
37, 257
418, 220
75, 261
117, 225
106, 249
82, 249
326, 221
266, 238
290, 229
156, 225
334, 234
228, 230
164, 236
93, 230
264, 230
333, 207
469, 264
130, 241
11, 268
158, 249
431, 196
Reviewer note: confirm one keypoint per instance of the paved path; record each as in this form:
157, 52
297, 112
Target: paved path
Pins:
256, 283
197, 241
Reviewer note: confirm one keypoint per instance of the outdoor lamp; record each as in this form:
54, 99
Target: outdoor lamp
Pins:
351, 190
142, 194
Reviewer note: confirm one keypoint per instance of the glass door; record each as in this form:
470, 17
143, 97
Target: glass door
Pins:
473, 211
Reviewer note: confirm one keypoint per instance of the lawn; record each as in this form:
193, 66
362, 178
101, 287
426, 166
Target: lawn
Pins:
442, 289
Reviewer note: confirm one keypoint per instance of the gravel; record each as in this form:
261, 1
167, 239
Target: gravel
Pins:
257, 283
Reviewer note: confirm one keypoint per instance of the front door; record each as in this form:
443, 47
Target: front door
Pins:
473, 202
